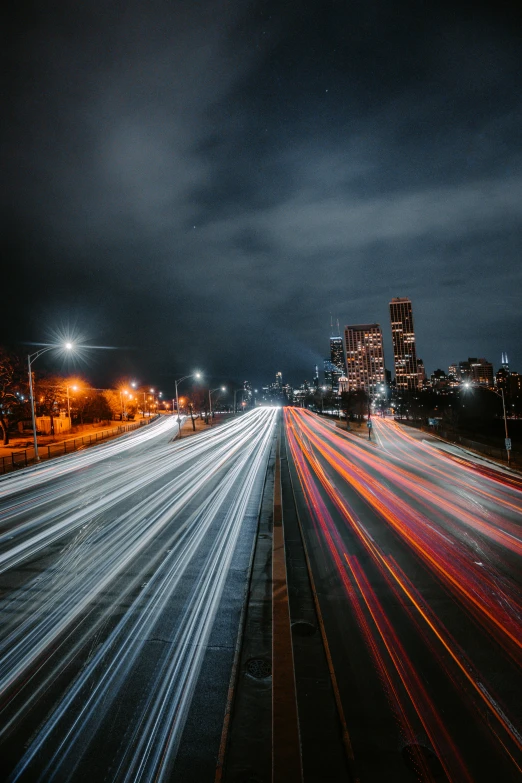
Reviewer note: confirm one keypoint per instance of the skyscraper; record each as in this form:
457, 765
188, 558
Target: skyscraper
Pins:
404, 351
337, 366
364, 356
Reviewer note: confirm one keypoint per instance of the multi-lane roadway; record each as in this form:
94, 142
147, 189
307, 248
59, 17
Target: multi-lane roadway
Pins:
415, 556
123, 572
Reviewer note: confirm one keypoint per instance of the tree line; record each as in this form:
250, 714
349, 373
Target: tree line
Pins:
55, 395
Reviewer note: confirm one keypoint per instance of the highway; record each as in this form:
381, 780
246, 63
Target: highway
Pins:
415, 558
123, 572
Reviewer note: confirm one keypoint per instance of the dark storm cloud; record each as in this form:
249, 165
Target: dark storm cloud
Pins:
209, 181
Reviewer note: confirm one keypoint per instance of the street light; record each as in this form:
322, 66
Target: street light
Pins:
235, 392
67, 387
74, 388
468, 385
191, 375
210, 393
122, 403
134, 385
32, 357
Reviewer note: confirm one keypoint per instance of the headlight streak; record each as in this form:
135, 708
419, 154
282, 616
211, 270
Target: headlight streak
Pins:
120, 541
305, 434
111, 490
45, 620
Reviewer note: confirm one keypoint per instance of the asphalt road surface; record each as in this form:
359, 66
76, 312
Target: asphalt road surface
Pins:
415, 555
123, 572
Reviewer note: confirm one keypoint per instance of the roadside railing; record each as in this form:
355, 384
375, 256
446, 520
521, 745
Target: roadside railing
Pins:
25, 457
482, 448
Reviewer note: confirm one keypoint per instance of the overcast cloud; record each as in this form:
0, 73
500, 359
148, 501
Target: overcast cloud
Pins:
207, 182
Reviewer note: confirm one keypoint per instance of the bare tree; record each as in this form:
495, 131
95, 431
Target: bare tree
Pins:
50, 394
13, 391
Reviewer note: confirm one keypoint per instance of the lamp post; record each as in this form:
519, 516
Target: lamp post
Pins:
500, 394
134, 385
235, 392
32, 357
192, 375
210, 393
74, 388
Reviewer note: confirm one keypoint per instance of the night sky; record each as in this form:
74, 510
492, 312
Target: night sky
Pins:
201, 184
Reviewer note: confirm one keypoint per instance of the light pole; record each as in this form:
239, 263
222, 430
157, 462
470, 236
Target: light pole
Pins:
235, 392
74, 388
500, 394
134, 385
69, 405
32, 357
210, 393
192, 375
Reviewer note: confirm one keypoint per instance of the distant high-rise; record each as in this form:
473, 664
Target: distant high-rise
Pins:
478, 371
404, 351
364, 356
336, 357
505, 362
421, 372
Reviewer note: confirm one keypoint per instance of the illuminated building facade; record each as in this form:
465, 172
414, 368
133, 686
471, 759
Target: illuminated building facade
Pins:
404, 350
364, 357
336, 361
421, 372
478, 371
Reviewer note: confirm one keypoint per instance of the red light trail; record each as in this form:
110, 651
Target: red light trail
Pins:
422, 509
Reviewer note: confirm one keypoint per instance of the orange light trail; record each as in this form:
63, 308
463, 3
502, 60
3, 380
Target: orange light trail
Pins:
490, 596
448, 558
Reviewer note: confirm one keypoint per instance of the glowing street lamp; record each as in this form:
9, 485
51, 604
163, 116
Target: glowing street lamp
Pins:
32, 357
210, 393
192, 375
74, 388
241, 389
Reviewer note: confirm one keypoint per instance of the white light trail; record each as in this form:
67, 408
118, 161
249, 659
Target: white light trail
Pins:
138, 534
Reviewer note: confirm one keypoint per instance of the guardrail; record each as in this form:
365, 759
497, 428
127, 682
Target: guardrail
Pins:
459, 440
23, 458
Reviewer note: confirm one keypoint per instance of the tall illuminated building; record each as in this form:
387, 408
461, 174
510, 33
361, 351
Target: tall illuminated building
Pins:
336, 364
364, 357
404, 350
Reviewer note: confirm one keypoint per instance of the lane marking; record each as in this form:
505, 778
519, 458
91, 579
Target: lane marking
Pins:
286, 746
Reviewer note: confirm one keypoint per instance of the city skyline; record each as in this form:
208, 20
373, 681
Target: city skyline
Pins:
236, 173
